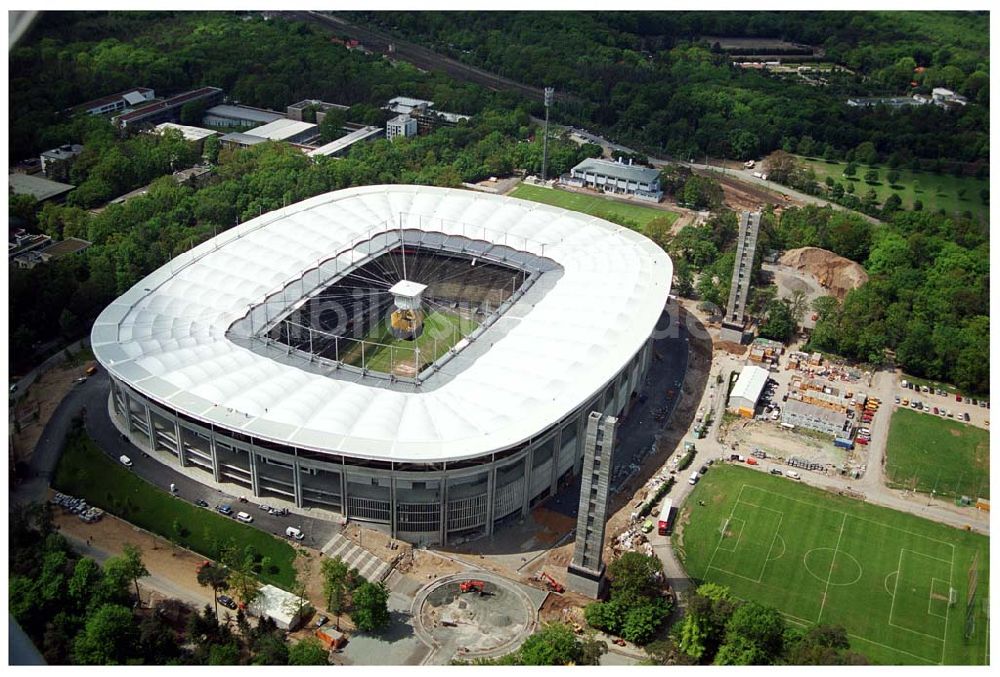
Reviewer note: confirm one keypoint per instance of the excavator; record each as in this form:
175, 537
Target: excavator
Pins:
473, 586
553, 584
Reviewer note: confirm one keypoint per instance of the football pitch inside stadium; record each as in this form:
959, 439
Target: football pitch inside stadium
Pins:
908, 591
384, 352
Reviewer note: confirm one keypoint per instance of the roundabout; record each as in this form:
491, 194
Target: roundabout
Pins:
470, 625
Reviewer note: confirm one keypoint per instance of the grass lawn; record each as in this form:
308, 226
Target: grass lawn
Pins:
936, 191
885, 576
947, 457
595, 205
441, 331
85, 471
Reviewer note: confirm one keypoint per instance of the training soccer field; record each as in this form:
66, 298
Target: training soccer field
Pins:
897, 583
934, 454
386, 353
595, 205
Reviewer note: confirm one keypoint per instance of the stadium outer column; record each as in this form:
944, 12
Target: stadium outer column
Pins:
491, 484
181, 454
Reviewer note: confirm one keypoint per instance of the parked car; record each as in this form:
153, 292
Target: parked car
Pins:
201, 503
897, 399
793, 475
244, 517
224, 509
294, 532
227, 601
322, 620
265, 507
125, 461
776, 471
935, 410
279, 512
958, 398
966, 417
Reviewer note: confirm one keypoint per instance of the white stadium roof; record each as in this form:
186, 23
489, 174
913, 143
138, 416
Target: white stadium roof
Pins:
167, 336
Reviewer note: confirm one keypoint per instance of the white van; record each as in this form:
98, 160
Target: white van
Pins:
125, 461
293, 532
792, 474
694, 478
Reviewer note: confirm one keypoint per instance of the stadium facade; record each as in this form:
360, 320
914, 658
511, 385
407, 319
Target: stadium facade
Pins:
255, 359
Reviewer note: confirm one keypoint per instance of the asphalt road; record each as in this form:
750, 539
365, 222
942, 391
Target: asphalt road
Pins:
92, 395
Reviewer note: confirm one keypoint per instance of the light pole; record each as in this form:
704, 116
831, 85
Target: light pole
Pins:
549, 94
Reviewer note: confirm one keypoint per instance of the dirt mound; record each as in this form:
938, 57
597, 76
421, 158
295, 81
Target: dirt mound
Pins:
834, 272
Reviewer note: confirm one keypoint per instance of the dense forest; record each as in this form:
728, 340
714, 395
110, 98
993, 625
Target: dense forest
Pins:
654, 80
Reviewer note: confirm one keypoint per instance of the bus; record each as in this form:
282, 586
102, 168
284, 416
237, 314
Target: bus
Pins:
664, 523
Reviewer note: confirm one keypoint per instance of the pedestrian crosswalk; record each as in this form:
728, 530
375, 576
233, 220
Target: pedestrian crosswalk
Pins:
356, 557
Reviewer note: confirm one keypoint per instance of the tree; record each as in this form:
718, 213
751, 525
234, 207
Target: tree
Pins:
309, 651
157, 640
692, 635
635, 575
851, 169
108, 638
134, 567
86, 579
658, 230
371, 609
335, 576
780, 325
871, 176
554, 644
210, 151
918, 206
642, 620
757, 625
215, 577
782, 167
892, 176
865, 153
797, 304
892, 204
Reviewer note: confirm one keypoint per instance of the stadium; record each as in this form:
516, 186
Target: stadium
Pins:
419, 359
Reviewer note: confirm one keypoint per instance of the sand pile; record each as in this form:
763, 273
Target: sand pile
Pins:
834, 272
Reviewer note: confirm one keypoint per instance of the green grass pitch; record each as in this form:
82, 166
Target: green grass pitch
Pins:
935, 191
384, 352
883, 575
595, 205
940, 455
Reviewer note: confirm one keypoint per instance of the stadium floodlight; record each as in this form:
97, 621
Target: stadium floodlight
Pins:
549, 96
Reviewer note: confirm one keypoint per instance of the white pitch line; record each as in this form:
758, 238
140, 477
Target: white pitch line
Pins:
947, 609
833, 561
862, 519
781, 518
731, 513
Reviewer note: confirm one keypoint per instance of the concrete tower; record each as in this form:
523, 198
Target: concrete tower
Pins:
586, 571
